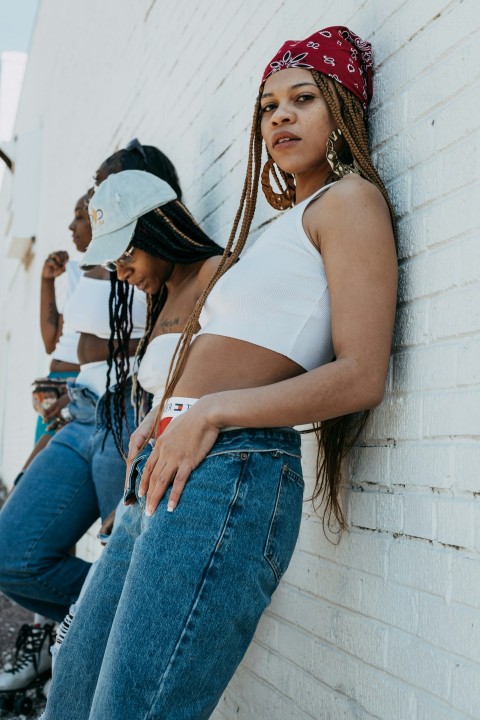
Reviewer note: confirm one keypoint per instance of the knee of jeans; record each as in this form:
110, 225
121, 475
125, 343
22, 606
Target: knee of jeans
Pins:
10, 557
20, 559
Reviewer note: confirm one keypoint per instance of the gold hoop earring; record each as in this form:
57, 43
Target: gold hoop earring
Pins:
338, 167
286, 197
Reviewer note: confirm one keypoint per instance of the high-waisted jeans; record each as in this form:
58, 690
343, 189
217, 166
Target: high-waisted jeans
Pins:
70, 483
176, 597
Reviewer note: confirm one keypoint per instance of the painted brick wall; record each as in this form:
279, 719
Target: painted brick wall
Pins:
384, 624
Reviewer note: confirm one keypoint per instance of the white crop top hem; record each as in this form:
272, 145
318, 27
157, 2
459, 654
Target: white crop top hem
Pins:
88, 309
93, 376
155, 364
153, 371
277, 295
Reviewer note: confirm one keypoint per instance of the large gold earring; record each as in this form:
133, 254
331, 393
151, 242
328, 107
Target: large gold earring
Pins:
286, 197
338, 167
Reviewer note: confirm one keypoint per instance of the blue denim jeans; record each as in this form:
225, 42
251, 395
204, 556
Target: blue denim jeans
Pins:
70, 483
176, 597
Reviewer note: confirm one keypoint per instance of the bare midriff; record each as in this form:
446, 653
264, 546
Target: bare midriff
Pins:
61, 366
218, 363
94, 349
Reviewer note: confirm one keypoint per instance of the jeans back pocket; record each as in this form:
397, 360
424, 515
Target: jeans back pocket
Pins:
285, 521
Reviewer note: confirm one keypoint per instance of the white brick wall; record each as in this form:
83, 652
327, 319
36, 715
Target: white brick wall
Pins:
384, 624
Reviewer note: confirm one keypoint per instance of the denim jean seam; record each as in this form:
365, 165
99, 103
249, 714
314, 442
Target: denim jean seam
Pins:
200, 588
251, 450
298, 480
64, 599
35, 542
295, 477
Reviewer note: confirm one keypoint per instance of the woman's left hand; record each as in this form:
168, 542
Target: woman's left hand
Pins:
179, 450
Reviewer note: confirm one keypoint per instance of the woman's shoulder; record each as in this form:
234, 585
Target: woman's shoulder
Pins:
350, 204
207, 270
350, 190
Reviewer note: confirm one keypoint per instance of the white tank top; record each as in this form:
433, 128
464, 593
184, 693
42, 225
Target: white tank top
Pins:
153, 370
277, 295
66, 347
87, 309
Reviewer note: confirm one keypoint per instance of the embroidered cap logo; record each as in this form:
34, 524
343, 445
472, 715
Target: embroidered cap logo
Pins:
96, 218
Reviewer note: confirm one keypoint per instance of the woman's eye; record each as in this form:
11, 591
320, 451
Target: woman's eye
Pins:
268, 108
304, 97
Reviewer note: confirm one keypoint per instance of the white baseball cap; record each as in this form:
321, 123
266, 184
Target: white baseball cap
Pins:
115, 208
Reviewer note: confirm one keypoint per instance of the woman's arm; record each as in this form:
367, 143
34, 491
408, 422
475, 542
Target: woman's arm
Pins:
352, 227
51, 321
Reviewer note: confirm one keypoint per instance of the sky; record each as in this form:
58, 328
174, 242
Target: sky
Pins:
16, 24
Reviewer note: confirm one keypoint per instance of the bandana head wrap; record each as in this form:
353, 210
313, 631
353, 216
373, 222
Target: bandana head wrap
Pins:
335, 51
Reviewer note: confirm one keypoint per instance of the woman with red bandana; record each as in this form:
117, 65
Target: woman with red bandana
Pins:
299, 331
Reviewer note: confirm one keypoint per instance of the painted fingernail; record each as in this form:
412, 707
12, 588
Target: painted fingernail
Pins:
170, 507
148, 512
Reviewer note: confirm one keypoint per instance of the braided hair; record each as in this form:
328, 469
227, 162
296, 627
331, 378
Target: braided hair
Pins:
149, 159
144, 157
336, 436
170, 233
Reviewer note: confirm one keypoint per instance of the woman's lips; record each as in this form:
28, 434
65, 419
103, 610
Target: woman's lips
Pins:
284, 139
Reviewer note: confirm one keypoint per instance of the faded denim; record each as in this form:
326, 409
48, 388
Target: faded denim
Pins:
71, 483
176, 597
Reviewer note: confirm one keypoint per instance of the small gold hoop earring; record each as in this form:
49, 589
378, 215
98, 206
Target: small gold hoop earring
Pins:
286, 197
338, 167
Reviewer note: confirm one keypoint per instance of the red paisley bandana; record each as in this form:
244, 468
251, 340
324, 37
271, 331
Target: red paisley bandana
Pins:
335, 51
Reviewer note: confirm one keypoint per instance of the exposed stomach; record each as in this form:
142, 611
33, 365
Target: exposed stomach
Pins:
62, 366
217, 363
94, 349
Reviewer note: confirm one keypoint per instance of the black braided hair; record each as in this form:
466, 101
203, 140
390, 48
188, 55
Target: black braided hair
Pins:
171, 233
150, 159
120, 317
144, 157
187, 241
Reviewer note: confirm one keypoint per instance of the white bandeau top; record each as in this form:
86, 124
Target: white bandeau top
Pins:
87, 309
66, 347
153, 370
277, 295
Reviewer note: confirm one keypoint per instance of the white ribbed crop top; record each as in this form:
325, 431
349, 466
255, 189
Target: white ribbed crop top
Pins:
87, 309
277, 295
155, 364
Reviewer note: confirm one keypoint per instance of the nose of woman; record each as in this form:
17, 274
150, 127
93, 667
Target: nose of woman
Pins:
123, 272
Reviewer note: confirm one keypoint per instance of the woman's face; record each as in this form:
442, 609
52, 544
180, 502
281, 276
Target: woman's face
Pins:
146, 272
80, 225
295, 122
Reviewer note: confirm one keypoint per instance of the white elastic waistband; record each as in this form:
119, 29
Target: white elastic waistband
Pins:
177, 405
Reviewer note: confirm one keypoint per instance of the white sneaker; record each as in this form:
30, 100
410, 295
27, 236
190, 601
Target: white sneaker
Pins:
32, 657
